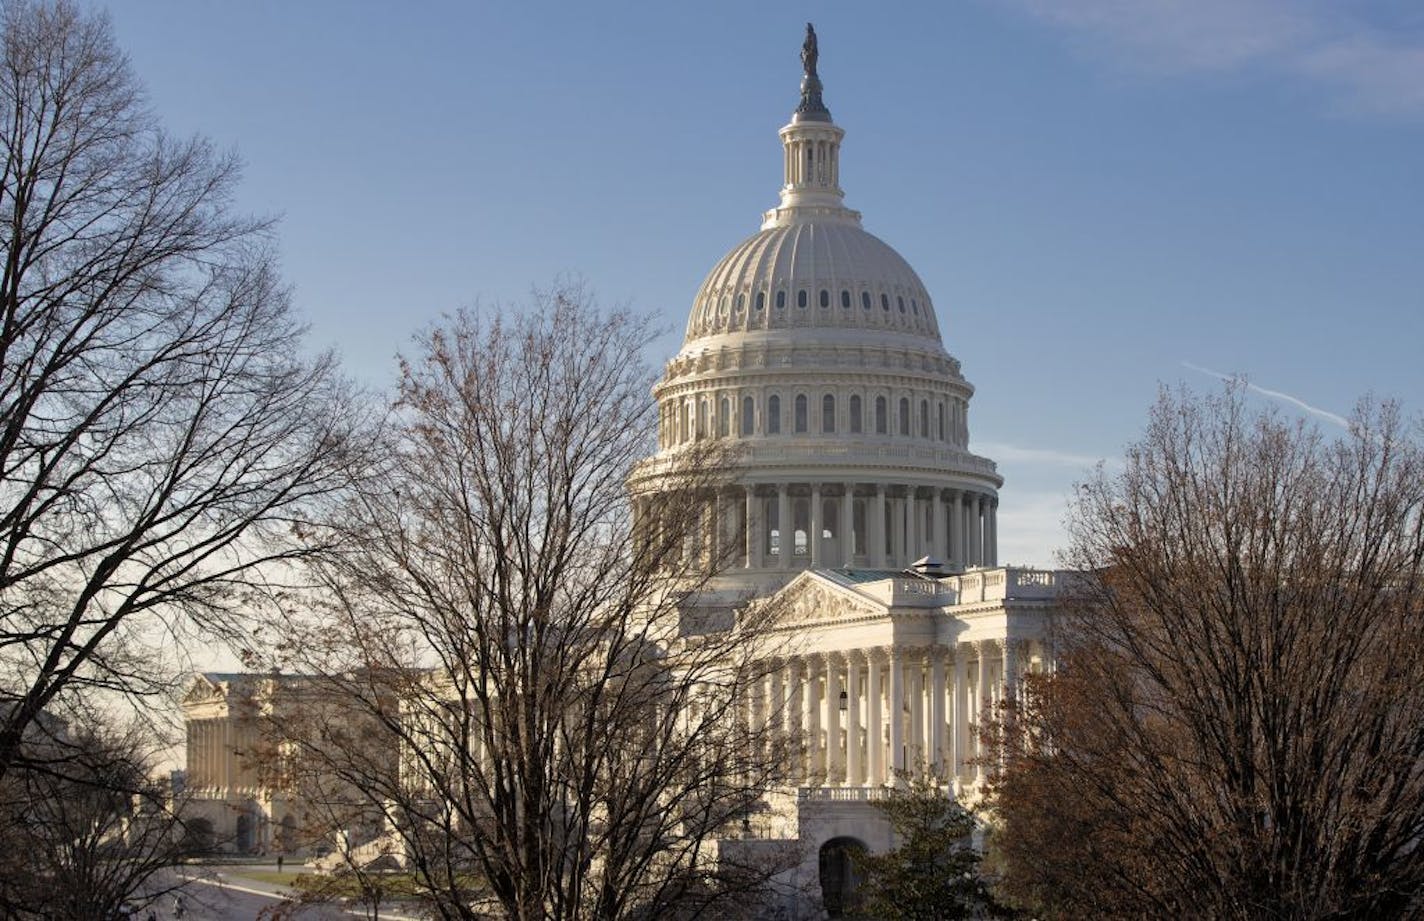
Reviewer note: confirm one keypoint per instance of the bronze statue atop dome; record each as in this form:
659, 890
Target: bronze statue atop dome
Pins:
809, 52
811, 107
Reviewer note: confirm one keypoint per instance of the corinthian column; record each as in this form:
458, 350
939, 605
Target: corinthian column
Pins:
753, 535
786, 534
848, 525
936, 758
835, 674
875, 727
876, 528
896, 715
817, 526
854, 659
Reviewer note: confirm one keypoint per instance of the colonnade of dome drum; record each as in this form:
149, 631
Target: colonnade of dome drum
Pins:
864, 524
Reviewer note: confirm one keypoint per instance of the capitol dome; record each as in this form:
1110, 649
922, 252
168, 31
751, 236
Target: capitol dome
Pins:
818, 273
813, 350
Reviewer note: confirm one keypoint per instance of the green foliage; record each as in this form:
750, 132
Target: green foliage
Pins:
933, 873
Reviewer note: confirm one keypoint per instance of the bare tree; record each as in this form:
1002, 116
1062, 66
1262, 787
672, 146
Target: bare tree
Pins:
573, 742
85, 829
1237, 726
160, 431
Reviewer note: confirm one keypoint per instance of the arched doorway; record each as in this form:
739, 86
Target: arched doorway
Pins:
839, 876
244, 833
197, 837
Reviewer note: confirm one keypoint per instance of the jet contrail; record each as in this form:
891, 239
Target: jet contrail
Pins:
1274, 394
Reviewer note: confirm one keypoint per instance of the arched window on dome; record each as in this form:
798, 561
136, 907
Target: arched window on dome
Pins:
761, 300
825, 298
724, 418
682, 432
748, 415
924, 418
702, 418
801, 298
828, 413
900, 300
780, 299
773, 415
885, 302
865, 299
904, 416
855, 414
800, 412
940, 406
880, 423
845, 298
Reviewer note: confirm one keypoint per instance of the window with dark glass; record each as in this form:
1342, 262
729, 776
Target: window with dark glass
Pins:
828, 413
801, 298
825, 298
904, 416
748, 415
801, 412
865, 299
855, 414
773, 416
880, 423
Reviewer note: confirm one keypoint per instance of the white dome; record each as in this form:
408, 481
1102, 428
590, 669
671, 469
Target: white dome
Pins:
825, 272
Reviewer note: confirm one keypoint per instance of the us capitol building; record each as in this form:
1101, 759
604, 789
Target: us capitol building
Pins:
815, 349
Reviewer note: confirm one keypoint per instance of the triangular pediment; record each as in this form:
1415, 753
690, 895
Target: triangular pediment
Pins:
201, 689
811, 598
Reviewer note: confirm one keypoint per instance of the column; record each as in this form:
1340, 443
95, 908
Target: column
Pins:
815, 753
773, 686
982, 698
913, 520
225, 748
876, 528
848, 525
897, 532
801, 751
991, 553
915, 689
960, 734
937, 509
786, 537
976, 532
835, 675
753, 536
936, 757
853, 775
956, 528
817, 527
1008, 665
874, 725
895, 705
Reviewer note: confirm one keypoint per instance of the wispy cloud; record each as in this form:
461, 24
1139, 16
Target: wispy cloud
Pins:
1374, 65
1325, 414
1002, 451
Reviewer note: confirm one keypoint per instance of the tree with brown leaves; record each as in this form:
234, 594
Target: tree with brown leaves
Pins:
1236, 727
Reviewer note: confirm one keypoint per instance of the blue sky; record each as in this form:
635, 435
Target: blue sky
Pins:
1100, 196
